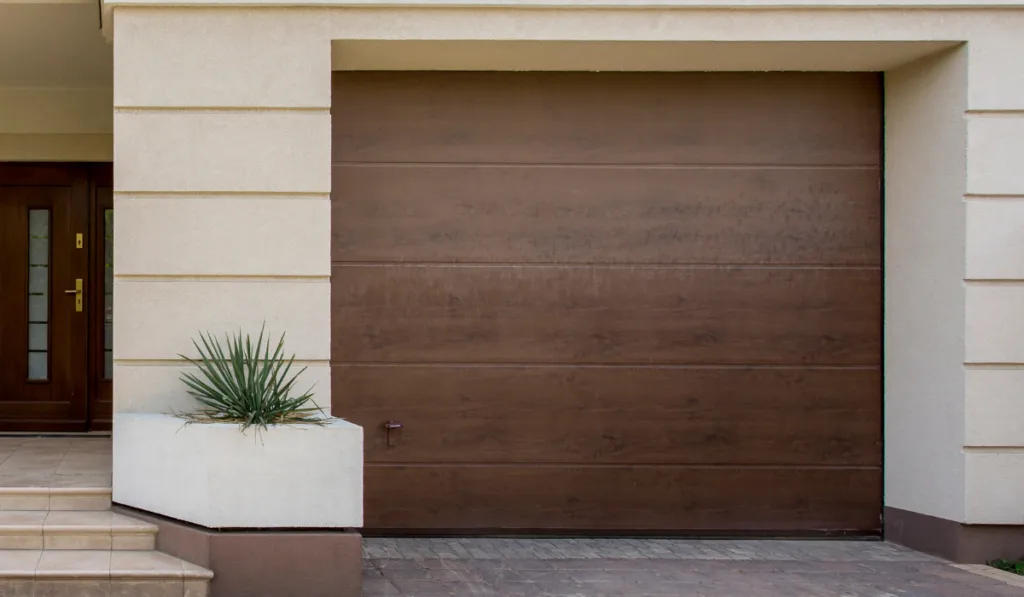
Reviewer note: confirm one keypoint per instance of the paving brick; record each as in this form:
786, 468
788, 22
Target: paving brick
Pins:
591, 567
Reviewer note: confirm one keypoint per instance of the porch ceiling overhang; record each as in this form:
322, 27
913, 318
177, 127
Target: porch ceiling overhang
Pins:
107, 6
54, 44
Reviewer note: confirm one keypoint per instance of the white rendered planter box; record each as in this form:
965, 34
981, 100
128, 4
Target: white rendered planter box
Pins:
217, 477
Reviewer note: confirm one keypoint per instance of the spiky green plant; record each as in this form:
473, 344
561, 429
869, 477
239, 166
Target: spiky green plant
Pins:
1014, 566
246, 383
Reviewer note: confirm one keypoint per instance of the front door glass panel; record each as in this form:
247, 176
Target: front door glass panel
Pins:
38, 294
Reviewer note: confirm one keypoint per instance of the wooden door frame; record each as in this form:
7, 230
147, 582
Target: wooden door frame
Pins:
100, 388
83, 180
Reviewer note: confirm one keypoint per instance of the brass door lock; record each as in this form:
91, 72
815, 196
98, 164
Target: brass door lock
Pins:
78, 294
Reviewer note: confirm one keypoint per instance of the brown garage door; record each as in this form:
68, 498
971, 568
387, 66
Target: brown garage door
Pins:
611, 302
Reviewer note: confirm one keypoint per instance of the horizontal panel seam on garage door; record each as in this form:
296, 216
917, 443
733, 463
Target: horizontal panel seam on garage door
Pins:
574, 264
703, 465
608, 166
549, 364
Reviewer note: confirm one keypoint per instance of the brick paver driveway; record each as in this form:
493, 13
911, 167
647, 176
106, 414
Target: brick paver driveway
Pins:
638, 568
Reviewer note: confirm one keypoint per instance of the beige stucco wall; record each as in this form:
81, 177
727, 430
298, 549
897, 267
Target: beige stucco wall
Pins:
221, 194
223, 113
56, 124
925, 137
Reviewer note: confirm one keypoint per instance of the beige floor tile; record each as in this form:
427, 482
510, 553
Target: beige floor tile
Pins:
26, 479
32, 465
48, 441
89, 447
17, 463
87, 444
147, 588
144, 564
18, 563
34, 469
43, 445
85, 464
74, 564
34, 462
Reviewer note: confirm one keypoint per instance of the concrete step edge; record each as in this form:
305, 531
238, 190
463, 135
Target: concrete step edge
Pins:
61, 491
97, 565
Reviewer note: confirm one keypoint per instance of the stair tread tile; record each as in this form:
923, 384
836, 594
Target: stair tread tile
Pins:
19, 563
62, 564
193, 572
146, 564
39, 480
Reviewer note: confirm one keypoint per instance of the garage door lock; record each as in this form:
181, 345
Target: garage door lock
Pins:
394, 431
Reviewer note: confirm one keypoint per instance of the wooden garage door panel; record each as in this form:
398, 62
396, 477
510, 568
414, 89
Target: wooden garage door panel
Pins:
611, 301
606, 215
661, 498
607, 118
620, 415
648, 315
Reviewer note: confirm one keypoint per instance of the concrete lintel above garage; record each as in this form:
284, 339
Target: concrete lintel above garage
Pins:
367, 54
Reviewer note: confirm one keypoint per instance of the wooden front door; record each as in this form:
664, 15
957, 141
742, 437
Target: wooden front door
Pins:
46, 278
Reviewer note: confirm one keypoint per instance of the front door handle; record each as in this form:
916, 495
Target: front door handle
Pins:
78, 292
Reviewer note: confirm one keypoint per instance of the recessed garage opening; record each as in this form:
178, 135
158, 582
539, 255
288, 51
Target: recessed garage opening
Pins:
611, 302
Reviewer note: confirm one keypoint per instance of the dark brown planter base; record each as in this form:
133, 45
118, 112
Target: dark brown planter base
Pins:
265, 563
963, 543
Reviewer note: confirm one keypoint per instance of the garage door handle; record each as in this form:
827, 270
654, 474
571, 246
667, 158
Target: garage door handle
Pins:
392, 428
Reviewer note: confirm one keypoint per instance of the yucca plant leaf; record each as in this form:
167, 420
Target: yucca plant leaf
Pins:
247, 382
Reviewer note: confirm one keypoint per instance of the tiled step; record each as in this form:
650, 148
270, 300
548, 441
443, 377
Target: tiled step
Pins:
54, 498
70, 530
99, 573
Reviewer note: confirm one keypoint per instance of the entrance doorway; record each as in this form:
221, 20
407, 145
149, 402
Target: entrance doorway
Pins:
56, 291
